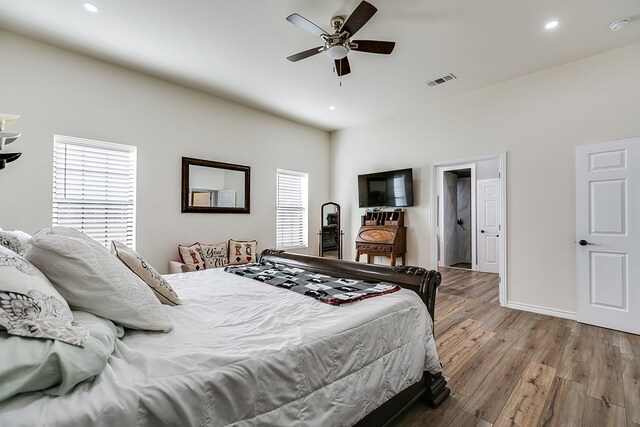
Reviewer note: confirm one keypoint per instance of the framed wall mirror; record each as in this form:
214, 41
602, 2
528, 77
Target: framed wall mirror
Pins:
330, 234
215, 187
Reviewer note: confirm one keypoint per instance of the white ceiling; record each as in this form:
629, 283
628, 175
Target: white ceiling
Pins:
237, 49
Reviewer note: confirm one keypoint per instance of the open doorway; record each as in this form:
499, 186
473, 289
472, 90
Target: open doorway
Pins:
468, 203
457, 217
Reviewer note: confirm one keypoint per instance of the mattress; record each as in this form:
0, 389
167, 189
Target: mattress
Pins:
244, 353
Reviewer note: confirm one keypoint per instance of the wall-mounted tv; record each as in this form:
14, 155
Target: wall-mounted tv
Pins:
390, 189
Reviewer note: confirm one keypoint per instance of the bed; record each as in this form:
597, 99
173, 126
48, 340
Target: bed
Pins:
245, 353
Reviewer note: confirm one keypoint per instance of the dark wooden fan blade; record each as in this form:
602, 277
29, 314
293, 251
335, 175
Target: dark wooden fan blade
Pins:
305, 54
374, 46
342, 66
359, 17
306, 25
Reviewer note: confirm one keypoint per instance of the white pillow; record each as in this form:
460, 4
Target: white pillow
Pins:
243, 251
192, 257
215, 255
30, 306
141, 267
93, 280
17, 241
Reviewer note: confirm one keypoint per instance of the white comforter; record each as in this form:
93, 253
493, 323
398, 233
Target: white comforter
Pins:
248, 354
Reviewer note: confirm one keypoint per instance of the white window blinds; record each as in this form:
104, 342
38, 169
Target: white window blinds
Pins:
94, 188
291, 209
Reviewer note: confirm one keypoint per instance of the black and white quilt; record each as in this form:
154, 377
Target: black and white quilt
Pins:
324, 288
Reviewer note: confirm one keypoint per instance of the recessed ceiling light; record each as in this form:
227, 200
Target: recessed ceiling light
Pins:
91, 7
332, 107
551, 25
619, 24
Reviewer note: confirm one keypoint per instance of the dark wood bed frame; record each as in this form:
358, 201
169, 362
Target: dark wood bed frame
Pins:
432, 388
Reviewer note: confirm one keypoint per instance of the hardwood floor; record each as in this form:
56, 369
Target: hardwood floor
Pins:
515, 368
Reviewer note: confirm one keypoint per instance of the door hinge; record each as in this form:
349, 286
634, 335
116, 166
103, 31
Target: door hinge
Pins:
499, 175
499, 227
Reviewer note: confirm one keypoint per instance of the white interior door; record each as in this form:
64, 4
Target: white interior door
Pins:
608, 234
488, 205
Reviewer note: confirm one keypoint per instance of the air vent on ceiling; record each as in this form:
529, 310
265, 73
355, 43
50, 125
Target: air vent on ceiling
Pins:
440, 80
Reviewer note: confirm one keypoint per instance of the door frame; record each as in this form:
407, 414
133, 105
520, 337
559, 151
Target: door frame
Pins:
434, 207
440, 171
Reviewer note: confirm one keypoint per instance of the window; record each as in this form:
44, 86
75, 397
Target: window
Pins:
94, 188
291, 210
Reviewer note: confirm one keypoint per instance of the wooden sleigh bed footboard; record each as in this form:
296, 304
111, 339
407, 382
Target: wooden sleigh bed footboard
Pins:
432, 388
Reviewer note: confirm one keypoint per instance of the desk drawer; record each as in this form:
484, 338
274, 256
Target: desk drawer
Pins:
374, 247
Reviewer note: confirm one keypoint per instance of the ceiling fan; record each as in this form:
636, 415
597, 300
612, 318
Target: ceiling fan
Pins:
339, 44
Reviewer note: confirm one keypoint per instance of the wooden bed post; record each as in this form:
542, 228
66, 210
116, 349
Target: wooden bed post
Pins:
436, 390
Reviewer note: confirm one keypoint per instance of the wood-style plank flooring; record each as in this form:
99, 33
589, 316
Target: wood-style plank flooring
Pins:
515, 368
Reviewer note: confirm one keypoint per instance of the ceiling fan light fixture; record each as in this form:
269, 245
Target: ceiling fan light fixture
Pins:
337, 51
339, 44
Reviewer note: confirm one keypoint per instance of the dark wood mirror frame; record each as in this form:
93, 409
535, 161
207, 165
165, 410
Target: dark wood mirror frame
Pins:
186, 207
330, 235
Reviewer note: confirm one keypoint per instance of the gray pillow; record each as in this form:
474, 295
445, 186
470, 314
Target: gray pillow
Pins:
54, 367
91, 279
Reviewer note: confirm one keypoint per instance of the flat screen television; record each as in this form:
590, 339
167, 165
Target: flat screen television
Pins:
390, 189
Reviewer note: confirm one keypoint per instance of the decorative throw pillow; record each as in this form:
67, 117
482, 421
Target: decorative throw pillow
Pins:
132, 259
53, 367
192, 257
17, 241
242, 252
30, 306
93, 280
215, 255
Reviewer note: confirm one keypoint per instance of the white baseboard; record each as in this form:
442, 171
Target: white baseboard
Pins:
542, 310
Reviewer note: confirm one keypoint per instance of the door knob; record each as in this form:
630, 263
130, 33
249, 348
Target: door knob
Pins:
584, 243
482, 231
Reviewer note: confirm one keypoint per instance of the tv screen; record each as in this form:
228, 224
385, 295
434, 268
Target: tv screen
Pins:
391, 189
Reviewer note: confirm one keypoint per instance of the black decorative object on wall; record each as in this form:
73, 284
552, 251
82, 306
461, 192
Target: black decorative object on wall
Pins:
7, 138
8, 158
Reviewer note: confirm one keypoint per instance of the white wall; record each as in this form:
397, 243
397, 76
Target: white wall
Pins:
59, 92
538, 119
